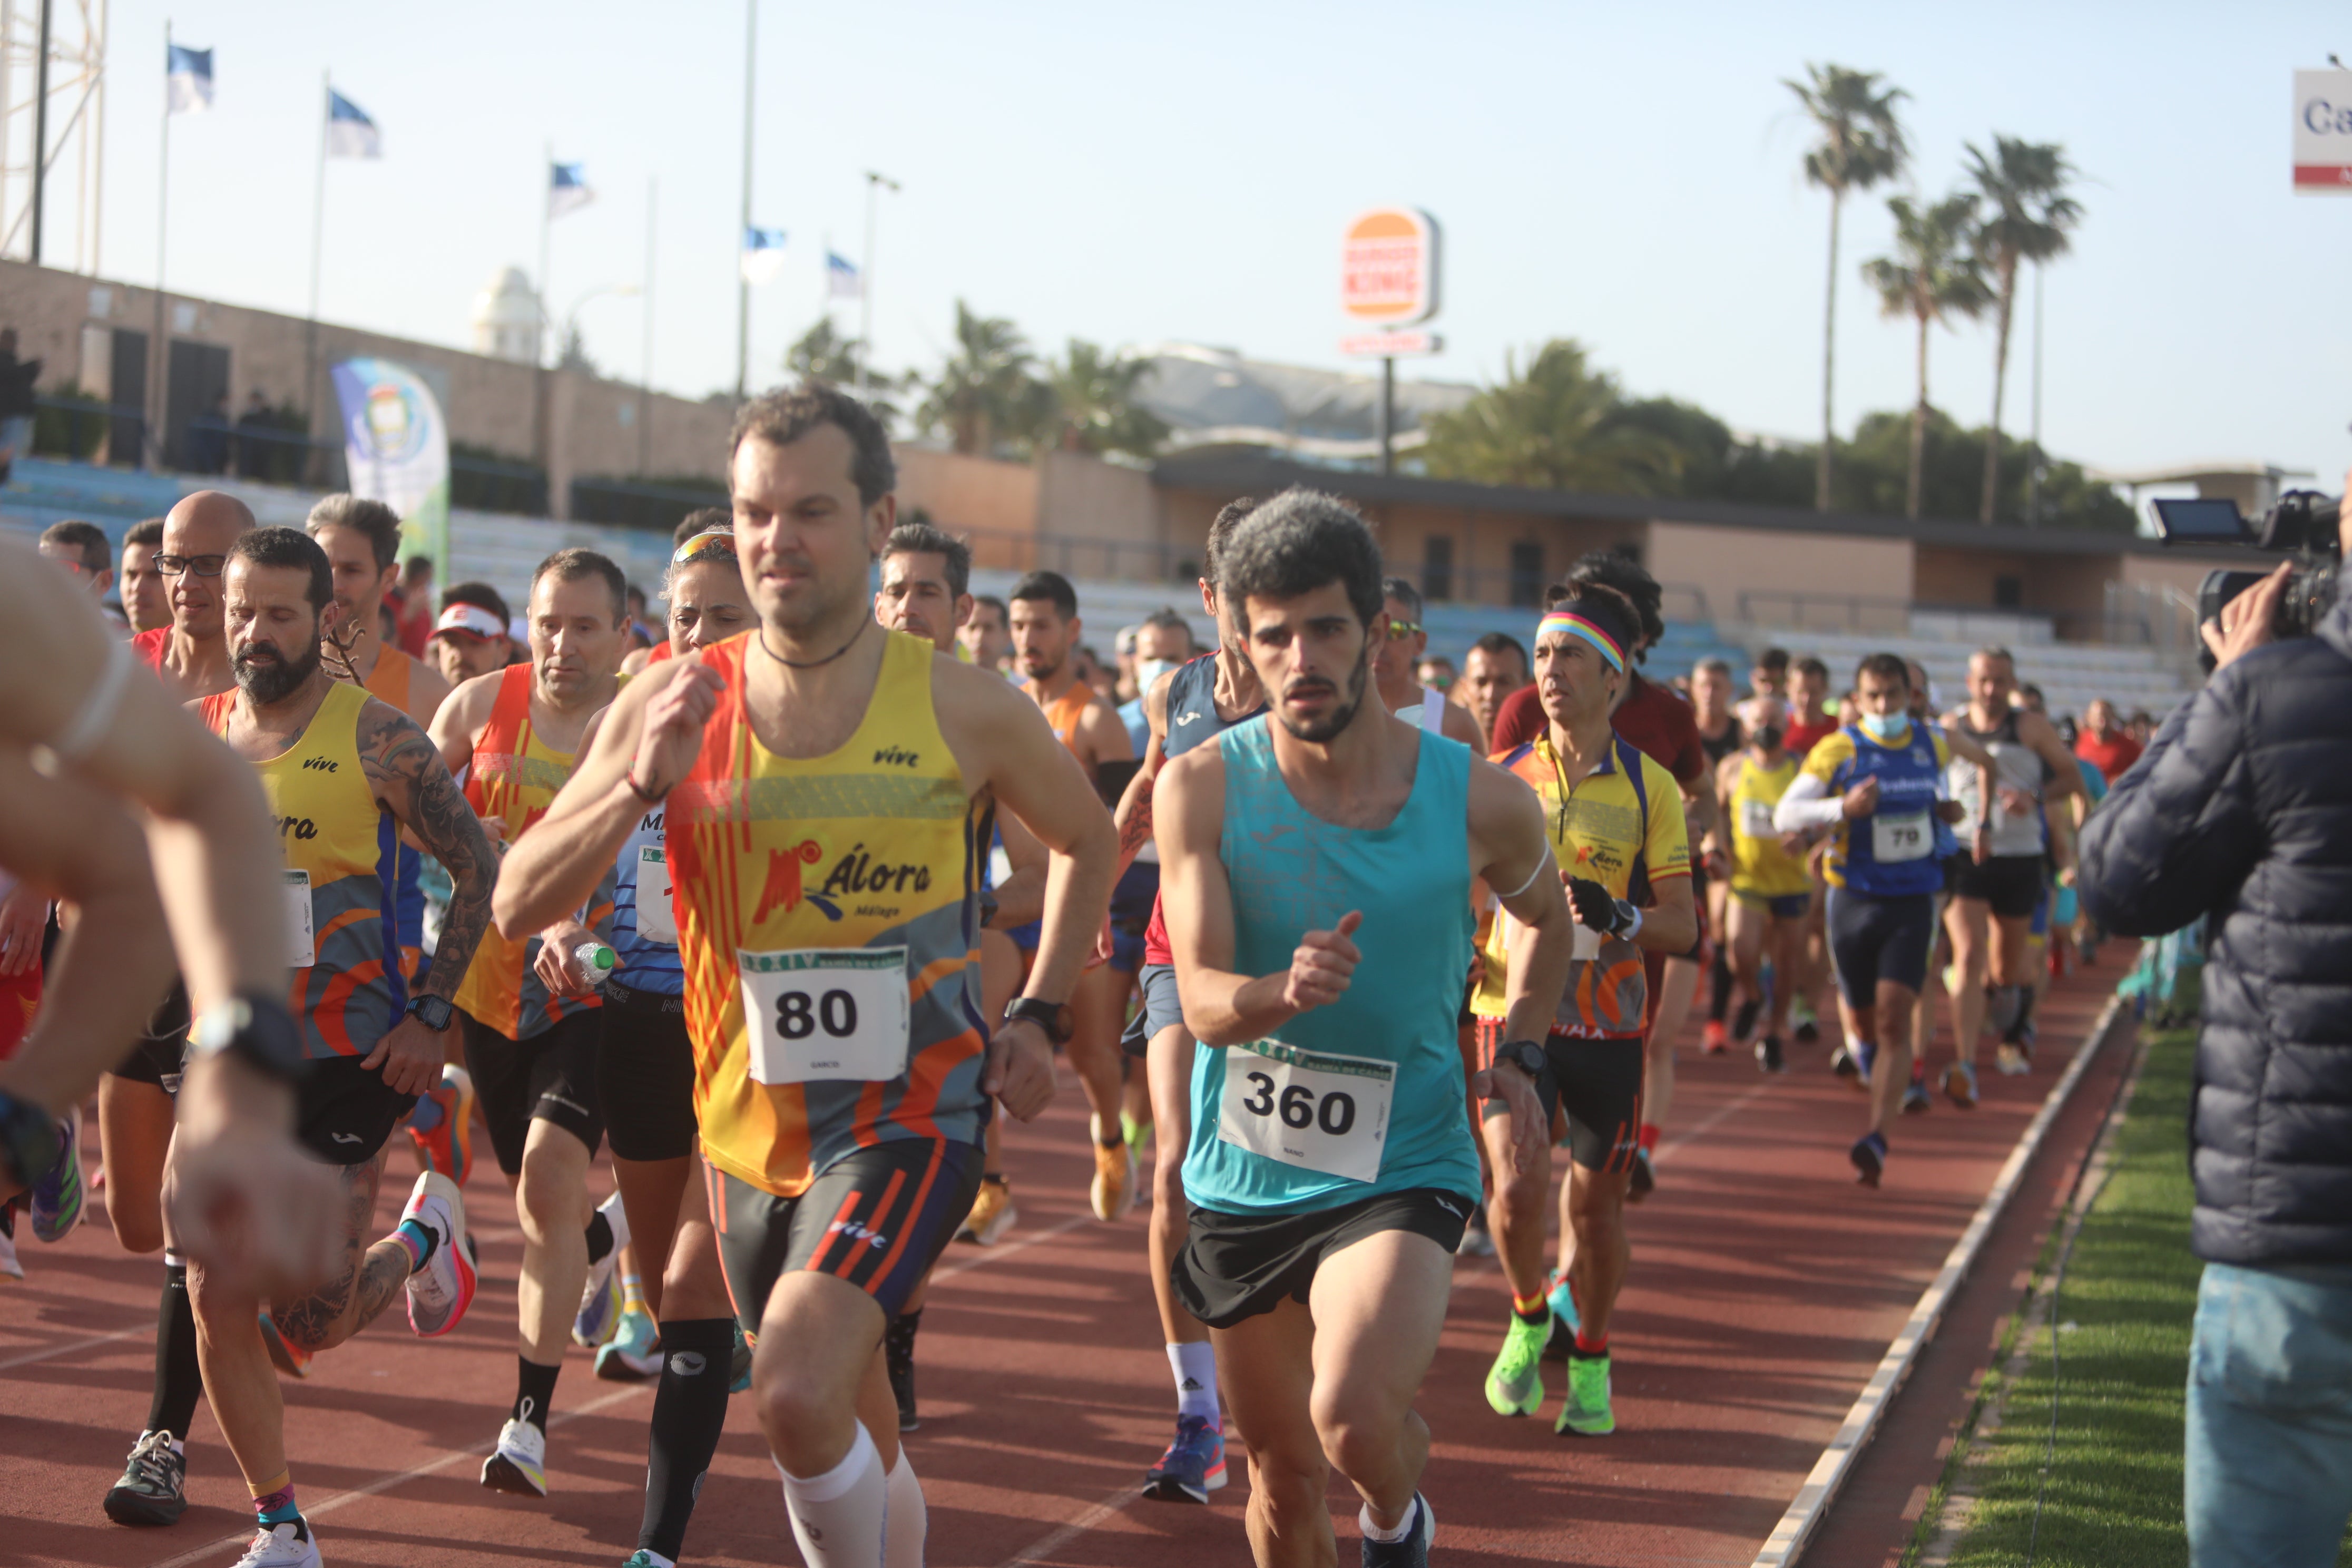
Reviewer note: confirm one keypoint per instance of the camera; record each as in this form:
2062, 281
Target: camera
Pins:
2302, 524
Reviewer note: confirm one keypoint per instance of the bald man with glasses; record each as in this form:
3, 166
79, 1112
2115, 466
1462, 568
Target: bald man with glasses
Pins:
191, 653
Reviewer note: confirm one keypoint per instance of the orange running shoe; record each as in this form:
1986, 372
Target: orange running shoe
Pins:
447, 1145
1717, 1038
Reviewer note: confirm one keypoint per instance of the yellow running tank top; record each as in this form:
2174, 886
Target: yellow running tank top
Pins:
828, 929
1759, 866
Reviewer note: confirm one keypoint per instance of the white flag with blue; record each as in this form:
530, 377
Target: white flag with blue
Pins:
350, 132
842, 280
187, 79
763, 254
567, 188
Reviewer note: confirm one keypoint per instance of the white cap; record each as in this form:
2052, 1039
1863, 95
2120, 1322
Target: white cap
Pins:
471, 619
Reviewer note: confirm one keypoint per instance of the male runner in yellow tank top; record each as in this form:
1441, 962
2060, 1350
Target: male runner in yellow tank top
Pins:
823, 778
1770, 888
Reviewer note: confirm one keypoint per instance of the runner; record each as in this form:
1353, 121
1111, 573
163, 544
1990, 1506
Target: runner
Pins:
828, 777
1188, 707
1615, 824
1809, 720
1318, 908
81, 549
1495, 668
1875, 782
372, 1047
191, 653
529, 1015
1162, 643
470, 637
1719, 736
145, 605
1045, 631
1770, 888
1994, 900
1769, 677
984, 635
1394, 661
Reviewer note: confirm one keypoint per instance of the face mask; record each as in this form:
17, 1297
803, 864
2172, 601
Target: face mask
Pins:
1769, 737
1885, 726
1148, 672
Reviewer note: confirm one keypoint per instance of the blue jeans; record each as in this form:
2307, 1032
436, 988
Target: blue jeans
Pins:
2269, 1472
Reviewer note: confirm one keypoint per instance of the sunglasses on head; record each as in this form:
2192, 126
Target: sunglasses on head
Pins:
718, 544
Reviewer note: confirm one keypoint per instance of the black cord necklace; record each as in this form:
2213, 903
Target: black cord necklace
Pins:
815, 663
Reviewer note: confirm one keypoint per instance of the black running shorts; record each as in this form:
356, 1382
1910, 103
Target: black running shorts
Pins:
156, 1058
645, 1074
1597, 1082
345, 1112
2011, 884
551, 1077
878, 1218
1875, 939
1233, 1267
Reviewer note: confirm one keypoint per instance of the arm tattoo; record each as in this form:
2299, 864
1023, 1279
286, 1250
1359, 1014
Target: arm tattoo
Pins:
1136, 831
413, 783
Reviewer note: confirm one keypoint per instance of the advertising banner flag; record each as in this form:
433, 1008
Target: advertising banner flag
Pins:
396, 446
2323, 134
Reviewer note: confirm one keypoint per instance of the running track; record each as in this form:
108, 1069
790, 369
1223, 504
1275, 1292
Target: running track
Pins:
1765, 1289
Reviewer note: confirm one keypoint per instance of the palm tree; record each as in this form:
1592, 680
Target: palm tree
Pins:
1934, 274
2027, 215
1560, 425
824, 355
987, 391
1860, 144
1096, 407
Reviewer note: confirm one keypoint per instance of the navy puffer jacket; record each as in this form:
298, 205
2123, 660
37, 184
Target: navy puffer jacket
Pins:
2241, 810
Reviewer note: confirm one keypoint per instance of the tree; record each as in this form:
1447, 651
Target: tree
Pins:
1559, 426
1932, 275
1095, 403
2027, 215
1860, 143
824, 355
987, 392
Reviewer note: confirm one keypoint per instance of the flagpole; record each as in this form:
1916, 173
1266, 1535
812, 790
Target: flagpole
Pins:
152, 436
317, 244
874, 184
538, 359
743, 228
646, 365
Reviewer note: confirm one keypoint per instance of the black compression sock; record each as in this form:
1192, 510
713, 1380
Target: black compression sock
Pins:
689, 1412
600, 1244
1719, 997
898, 1339
179, 1381
534, 1392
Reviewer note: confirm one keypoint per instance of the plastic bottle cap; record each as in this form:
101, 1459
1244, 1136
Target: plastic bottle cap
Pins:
602, 958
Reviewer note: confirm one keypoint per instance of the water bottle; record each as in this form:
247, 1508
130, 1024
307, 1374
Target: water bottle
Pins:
594, 960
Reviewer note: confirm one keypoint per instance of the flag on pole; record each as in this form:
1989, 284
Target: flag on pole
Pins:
763, 254
188, 79
567, 189
350, 132
842, 280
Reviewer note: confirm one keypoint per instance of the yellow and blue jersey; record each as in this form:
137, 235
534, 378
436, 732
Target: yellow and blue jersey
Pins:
1892, 852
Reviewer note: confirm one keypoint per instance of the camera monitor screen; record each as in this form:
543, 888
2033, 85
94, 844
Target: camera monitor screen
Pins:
2201, 521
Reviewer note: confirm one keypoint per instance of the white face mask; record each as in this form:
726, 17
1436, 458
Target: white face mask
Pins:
1148, 672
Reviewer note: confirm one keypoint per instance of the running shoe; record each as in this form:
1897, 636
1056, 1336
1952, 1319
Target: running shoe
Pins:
633, 1352
739, 1363
992, 1212
1565, 1319
1769, 1057
1916, 1100
1841, 1062
439, 1293
1866, 1056
898, 1363
1744, 1020
9, 1266
519, 1464
154, 1489
1514, 1382
1808, 1029
641, 1558
1412, 1552
1642, 1179
1960, 1085
1112, 1192
1475, 1242
601, 1298
2011, 1061
1193, 1466
1586, 1413
56, 1203
449, 1148
1869, 1157
287, 1545
1713, 1038
286, 1357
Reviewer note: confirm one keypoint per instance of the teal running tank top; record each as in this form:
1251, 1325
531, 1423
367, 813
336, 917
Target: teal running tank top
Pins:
1365, 1096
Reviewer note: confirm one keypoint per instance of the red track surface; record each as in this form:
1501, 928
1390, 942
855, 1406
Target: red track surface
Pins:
1765, 1288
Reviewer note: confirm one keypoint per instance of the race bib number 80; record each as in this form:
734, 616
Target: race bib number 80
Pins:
1320, 1112
825, 1015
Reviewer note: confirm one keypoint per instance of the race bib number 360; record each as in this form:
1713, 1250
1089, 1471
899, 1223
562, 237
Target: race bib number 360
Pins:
825, 1015
1320, 1112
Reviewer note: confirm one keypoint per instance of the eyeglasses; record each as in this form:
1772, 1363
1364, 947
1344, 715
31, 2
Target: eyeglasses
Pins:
718, 544
1400, 630
202, 565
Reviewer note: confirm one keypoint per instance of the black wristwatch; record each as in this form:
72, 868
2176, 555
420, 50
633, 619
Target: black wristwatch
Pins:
29, 1142
1053, 1017
256, 1027
1526, 1055
433, 1012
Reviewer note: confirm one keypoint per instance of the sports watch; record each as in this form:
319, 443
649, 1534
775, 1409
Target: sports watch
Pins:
1053, 1017
433, 1012
1526, 1055
256, 1027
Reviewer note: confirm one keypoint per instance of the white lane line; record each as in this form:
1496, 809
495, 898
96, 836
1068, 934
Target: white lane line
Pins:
71, 1346
385, 1483
1812, 1500
998, 1254
1722, 1113
1053, 1541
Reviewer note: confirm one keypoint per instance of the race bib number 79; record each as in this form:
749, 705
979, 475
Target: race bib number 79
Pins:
825, 1015
1317, 1111
1897, 839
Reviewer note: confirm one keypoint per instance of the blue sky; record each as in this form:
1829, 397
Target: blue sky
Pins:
1627, 175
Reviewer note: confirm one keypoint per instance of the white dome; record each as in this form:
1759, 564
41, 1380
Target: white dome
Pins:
507, 318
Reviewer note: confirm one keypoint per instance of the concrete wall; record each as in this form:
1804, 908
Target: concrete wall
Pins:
2070, 588
1724, 562
994, 504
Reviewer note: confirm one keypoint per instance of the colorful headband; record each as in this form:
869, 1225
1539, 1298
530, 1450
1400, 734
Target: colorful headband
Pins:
1577, 626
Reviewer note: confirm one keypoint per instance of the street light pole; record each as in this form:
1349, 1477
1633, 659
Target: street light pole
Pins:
874, 184
744, 224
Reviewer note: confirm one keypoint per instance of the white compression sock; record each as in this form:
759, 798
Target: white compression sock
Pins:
1195, 1366
840, 1517
910, 1517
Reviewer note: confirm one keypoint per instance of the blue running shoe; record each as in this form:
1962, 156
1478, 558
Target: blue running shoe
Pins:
57, 1197
634, 1354
1869, 1157
1193, 1466
1412, 1552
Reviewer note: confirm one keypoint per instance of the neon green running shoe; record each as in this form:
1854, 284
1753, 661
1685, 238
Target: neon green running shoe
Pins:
1515, 1384
1586, 1413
